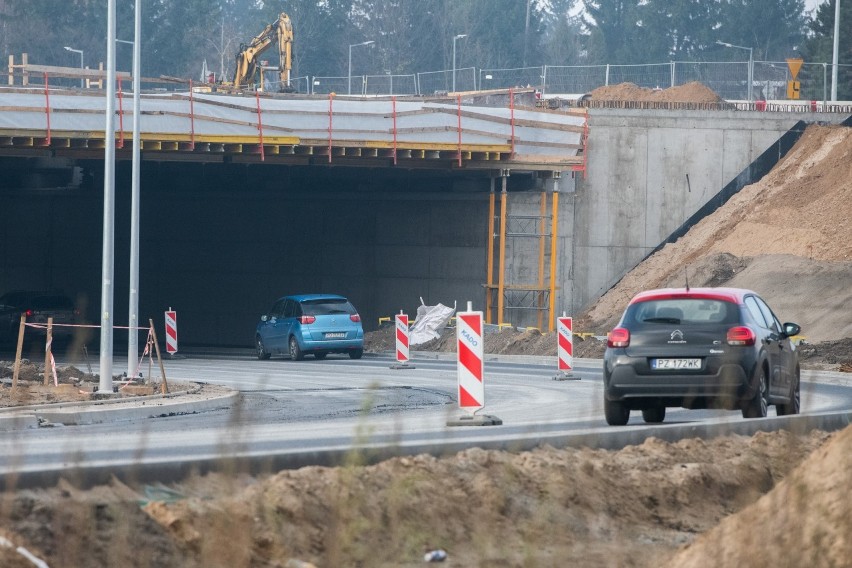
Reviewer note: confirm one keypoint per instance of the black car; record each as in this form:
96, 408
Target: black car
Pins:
700, 348
37, 306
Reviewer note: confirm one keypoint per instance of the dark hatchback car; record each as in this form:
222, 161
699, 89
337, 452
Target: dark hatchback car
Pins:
318, 324
700, 348
37, 307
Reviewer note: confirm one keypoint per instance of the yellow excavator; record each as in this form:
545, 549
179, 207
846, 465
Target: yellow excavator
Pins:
248, 62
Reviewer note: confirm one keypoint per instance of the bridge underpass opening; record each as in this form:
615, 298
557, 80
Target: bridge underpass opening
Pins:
219, 242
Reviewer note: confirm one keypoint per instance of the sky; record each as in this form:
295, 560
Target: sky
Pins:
811, 4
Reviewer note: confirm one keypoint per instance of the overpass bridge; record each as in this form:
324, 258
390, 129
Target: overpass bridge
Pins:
246, 198
470, 138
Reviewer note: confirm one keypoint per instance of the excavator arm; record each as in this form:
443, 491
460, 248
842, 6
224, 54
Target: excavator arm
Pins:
248, 58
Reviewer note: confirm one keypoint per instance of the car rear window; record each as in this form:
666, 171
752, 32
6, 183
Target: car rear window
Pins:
681, 310
52, 303
327, 307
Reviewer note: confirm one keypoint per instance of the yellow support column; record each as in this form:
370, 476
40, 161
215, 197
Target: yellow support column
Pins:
501, 277
540, 227
489, 301
554, 233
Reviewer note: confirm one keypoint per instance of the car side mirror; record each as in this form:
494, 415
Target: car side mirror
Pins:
264, 317
791, 329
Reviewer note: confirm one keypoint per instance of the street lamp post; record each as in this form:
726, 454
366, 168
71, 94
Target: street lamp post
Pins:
455, 38
80, 51
835, 49
349, 76
750, 65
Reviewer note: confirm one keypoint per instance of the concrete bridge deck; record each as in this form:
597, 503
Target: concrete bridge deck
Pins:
300, 130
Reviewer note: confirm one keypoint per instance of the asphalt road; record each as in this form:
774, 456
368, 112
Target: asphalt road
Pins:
315, 412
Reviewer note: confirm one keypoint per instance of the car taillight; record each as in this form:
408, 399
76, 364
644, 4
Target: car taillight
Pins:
741, 335
355, 317
618, 337
307, 319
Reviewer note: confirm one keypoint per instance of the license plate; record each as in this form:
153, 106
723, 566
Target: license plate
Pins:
335, 335
675, 363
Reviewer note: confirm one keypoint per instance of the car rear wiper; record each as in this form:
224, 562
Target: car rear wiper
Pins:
661, 320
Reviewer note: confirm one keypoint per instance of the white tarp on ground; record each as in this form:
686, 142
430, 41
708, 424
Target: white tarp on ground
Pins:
429, 323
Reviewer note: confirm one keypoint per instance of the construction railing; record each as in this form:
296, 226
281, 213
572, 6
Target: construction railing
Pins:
728, 79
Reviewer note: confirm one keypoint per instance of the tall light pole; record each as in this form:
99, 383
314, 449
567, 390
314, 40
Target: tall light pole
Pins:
80, 51
750, 64
455, 38
349, 83
133, 299
835, 50
108, 256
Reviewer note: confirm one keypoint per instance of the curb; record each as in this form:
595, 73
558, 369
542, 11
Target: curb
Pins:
156, 410
111, 410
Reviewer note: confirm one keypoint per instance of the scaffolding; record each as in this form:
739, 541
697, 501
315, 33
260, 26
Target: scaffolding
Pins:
539, 296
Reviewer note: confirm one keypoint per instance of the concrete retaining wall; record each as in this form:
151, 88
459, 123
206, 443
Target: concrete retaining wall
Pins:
648, 172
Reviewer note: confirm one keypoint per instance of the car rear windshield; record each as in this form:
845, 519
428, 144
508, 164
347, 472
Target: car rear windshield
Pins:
326, 307
52, 303
681, 310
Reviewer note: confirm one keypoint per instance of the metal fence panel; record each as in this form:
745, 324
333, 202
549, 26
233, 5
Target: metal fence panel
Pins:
511, 78
728, 79
338, 85
434, 82
573, 79
650, 76
391, 85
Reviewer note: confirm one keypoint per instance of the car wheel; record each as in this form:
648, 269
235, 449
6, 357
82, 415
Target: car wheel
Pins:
295, 351
654, 414
320, 355
356, 353
616, 412
795, 404
758, 406
262, 353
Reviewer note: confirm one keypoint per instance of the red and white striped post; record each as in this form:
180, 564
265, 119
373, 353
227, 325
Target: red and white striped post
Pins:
402, 342
171, 332
565, 349
471, 369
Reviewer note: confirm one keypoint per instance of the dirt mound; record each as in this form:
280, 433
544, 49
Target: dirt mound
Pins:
547, 507
804, 521
785, 237
693, 92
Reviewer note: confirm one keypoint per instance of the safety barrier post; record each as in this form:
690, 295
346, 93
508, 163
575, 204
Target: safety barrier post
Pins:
458, 103
171, 332
565, 349
393, 103
402, 342
471, 370
330, 122
260, 125
165, 387
120, 116
47, 108
17, 369
192, 117
47, 350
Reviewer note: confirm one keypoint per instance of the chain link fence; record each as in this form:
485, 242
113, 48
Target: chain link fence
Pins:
728, 79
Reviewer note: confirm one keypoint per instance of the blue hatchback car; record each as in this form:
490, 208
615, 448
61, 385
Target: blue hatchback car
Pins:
318, 324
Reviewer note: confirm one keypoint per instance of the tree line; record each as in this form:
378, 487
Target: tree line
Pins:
417, 35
